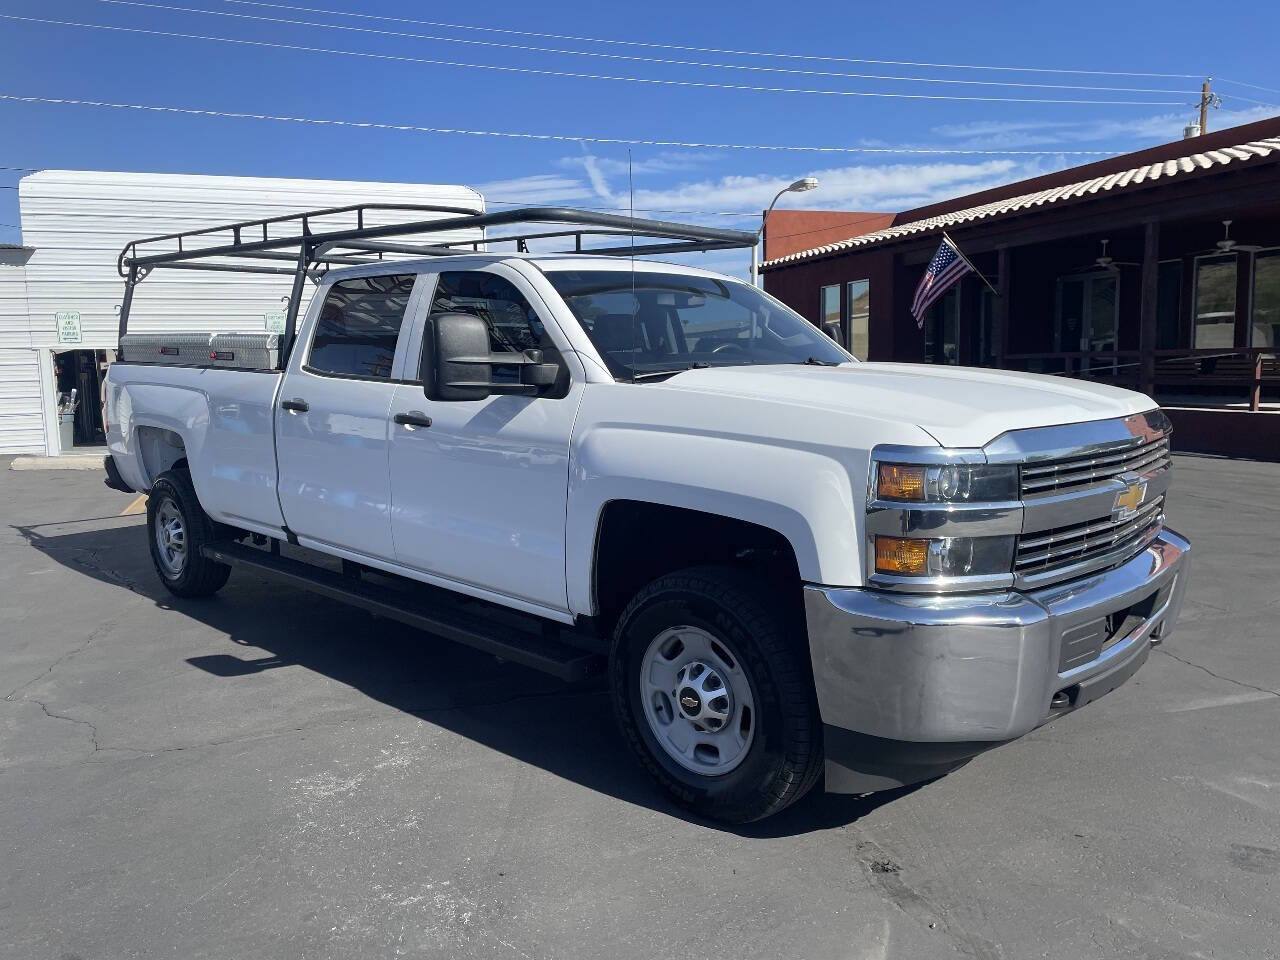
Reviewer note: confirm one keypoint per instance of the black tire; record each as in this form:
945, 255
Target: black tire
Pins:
196, 575
785, 756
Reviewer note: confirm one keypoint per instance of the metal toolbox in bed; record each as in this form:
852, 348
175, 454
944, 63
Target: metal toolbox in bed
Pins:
257, 351
183, 348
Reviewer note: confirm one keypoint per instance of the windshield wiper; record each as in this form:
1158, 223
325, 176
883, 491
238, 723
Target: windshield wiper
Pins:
819, 362
653, 374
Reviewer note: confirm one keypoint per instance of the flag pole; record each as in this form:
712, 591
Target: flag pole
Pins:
956, 247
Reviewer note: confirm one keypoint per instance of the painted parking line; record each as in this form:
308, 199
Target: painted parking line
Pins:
139, 505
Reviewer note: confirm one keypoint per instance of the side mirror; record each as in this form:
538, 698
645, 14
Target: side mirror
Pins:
455, 358
833, 330
535, 373
456, 363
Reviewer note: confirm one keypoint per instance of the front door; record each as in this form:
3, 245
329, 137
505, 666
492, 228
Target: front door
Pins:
478, 497
1088, 315
332, 420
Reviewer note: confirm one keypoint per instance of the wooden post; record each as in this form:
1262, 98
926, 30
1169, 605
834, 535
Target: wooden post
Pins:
1147, 306
1255, 388
1003, 314
1205, 99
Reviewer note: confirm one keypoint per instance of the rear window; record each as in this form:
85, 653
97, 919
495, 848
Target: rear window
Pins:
359, 325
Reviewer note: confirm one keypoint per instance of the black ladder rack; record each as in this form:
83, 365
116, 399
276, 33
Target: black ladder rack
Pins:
309, 247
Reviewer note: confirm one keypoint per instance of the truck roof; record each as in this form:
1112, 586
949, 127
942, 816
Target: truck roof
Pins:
552, 262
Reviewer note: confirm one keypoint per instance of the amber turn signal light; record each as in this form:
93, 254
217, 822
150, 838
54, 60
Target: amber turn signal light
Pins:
895, 481
899, 555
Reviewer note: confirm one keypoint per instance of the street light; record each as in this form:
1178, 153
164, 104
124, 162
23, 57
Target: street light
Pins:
802, 185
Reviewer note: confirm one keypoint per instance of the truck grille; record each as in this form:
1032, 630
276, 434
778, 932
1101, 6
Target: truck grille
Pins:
1048, 550
1067, 473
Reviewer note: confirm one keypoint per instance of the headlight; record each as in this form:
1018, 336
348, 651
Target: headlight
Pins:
945, 557
946, 483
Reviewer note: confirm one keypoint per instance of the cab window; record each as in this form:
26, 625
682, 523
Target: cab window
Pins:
514, 326
358, 326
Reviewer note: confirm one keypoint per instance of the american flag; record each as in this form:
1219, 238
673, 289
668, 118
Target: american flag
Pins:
945, 269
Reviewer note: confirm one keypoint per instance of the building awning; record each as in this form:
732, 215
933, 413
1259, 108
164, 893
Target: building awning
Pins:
1137, 177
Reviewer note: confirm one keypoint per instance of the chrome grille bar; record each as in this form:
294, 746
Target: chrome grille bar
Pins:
1068, 472
1080, 541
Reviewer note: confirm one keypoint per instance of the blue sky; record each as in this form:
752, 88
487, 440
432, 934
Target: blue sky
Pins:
372, 72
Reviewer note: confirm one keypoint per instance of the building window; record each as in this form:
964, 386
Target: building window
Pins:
1087, 317
1168, 304
1265, 329
988, 329
941, 324
1215, 302
829, 307
859, 326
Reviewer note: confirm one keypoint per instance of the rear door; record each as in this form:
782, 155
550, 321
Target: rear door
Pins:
332, 420
478, 497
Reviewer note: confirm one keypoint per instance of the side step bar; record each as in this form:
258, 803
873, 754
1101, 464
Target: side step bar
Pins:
526, 643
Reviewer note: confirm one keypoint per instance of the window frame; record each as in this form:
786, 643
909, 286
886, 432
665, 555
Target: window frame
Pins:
1265, 253
428, 281
407, 323
822, 306
848, 316
1235, 297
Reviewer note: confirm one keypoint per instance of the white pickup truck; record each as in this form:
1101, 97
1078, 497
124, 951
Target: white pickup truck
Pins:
789, 562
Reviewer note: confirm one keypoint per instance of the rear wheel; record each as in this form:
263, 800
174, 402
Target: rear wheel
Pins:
179, 527
713, 691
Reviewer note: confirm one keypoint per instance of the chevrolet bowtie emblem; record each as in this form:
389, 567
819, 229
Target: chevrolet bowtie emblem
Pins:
1129, 500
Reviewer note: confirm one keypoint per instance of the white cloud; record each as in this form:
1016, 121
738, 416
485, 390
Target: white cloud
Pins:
666, 162
891, 187
1135, 133
536, 189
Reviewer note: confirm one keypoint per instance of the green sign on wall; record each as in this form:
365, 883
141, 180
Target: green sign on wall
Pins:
68, 323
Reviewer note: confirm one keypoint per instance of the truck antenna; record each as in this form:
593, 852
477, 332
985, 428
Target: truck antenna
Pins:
635, 307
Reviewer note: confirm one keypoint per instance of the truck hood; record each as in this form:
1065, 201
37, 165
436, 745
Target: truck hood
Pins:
958, 406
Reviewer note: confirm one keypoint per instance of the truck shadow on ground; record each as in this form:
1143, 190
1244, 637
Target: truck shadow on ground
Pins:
566, 729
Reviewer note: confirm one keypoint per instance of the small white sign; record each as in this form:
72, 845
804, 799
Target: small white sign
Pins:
275, 321
68, 323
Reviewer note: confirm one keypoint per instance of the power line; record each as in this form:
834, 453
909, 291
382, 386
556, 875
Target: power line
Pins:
720, 50
564, 138
536, 71
633, 58
1254, 86
1236, 96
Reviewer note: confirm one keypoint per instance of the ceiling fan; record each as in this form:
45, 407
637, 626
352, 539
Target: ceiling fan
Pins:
1106, 262
1227, 245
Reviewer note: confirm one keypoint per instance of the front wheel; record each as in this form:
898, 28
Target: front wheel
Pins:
179, 527
713, 692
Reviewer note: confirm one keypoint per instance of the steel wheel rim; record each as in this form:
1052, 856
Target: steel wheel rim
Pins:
171, 538
697, 700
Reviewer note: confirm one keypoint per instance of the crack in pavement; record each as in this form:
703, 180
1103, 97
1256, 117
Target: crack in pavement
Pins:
101, 630
93, 730
423, 713
1217, 676
885, 875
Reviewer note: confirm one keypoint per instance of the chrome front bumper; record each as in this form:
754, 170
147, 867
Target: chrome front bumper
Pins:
912, 686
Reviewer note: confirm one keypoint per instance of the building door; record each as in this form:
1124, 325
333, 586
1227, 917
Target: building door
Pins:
1088, 316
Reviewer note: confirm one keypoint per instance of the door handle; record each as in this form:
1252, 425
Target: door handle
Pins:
296, 404
414, 418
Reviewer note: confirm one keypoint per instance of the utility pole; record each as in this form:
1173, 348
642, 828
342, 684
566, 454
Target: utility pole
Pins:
1206, 101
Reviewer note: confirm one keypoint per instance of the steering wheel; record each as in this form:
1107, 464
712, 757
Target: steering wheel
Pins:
727, 345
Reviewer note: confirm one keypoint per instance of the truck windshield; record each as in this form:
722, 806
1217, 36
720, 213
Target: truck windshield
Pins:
646, 325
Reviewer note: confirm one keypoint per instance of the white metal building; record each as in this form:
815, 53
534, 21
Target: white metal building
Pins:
60, 292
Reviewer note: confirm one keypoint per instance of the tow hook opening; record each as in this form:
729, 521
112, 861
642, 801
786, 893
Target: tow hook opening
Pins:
1064, 699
